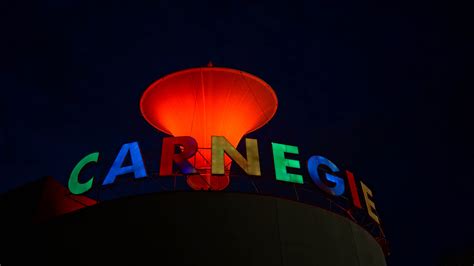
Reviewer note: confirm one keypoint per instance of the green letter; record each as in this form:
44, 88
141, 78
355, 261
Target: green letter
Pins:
74, 186
281, 163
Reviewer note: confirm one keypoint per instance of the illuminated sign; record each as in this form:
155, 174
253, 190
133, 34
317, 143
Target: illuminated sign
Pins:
207, 111
178, 154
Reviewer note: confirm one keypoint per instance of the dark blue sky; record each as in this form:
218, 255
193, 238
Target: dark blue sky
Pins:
379, 88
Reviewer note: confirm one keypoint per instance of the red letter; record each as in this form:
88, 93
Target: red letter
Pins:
188, 147
353, 188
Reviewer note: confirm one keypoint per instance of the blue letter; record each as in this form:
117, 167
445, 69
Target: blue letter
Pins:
137, 167
313, 164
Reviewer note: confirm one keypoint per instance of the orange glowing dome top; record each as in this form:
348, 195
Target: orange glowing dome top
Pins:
209, 101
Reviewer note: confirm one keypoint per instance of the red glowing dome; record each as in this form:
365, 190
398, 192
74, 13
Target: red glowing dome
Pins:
208, 101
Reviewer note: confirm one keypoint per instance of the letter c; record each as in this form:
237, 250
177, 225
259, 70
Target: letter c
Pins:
74, 185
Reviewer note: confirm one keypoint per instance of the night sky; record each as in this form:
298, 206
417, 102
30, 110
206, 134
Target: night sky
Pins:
379, 88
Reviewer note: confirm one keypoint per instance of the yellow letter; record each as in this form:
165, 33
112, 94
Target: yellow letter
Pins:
220, 144
369, 203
